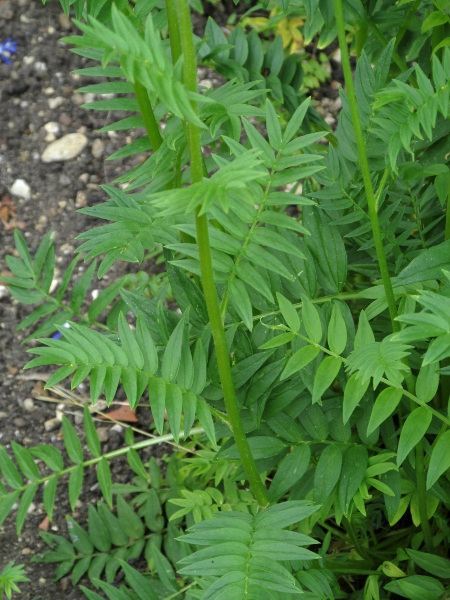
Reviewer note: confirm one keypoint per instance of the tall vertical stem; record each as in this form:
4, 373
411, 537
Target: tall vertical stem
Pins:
174, 30
422, 496
209, 288
365, 171
447, 215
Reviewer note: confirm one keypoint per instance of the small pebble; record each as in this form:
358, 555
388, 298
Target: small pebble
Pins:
28, 405
78, 418
55, 102
65, 119
336, 55
3, 415
64, 21
48, 91
21, 188
40, 66
103, 434
66, 148
26, 551
6, 10
65, 181
19, 422
3, 292
78, 99
81, 200
52, 424
98, 148
52, 127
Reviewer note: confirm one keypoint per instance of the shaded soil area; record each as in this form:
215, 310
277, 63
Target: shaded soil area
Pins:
38, 105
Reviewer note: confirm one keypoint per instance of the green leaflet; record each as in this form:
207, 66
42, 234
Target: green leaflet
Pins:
413, 430
325, 376
440, 459
353, 394
327, 474
428, 265
172, 354
353, 472
385, 404
327, 248
290, 470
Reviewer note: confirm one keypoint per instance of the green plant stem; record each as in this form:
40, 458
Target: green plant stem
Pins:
365, 171
150, 123
447, 216
380, 37
422, 495
174, 30
109, 456
403, 29
209, 288
363, 552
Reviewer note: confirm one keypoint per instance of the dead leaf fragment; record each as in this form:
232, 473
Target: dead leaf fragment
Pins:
123, 413
44, 524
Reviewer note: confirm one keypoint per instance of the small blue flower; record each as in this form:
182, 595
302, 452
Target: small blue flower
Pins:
7, 48
58, 334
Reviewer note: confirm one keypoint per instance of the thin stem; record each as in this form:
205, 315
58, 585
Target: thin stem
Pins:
447, 216
380, 37
109, 456
174, 30
150, 123
365, 171
404, 28
209, 288
422, 495
363, 552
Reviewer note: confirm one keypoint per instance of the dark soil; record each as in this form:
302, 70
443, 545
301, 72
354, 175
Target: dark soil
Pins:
37, 90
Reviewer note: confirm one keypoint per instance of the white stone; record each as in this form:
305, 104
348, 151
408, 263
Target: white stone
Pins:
66, 148
55, 102
103, 433
52, 127
50, 137
336, 55
81, 199
98, 147
51, 424
40, 66
28, 405
3, 292
21, 188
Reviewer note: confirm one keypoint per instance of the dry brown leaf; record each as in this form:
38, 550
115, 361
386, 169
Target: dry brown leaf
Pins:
123, 413
44, 524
